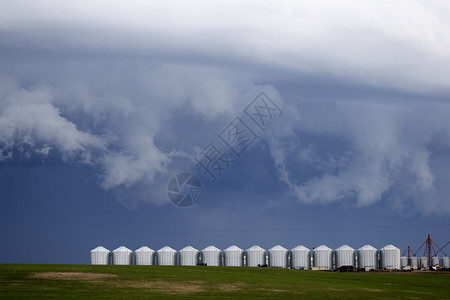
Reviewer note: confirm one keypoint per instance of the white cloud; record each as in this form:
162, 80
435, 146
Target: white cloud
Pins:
391, 155
117, 119
32, 123
143, 163
28, 119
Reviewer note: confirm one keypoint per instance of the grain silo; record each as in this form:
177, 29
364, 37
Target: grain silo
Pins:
144, 256
255, 256
424, 262
367, 257
233, 256
122, 256
301, 258
403, 262
344, 256
446, 262
415, 262
435, 261
390, 257
166, 256
212, 256
278, 257
189, 256
323, 257
100, 256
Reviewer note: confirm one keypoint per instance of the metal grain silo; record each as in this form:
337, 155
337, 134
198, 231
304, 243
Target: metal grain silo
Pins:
144, 256
446, 262
122, 256
403, 262
255, 256
100, 256
424, 262
212, 256
233, 256
367, 257
435, 261
189, 256
166, 256
344, 256
415, 262
390, 257
301, 258
278, 257
323, 257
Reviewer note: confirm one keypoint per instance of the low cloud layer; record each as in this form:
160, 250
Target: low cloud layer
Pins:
114, 129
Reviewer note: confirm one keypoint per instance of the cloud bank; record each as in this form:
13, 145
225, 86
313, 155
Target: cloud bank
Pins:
403, 44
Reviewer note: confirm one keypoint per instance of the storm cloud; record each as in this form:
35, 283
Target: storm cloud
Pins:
136, 89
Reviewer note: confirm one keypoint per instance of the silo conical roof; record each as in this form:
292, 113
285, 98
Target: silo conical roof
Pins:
345, 247
100, 248
167, 249
144, 248
188, 248
367, 247
122, 249
389, 247
211, 248
277, 247
300, 247
323, 247
256, 247
233, 248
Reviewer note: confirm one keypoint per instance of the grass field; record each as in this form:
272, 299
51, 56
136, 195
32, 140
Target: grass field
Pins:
77, 281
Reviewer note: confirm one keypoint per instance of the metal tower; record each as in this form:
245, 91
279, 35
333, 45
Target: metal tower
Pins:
429, 248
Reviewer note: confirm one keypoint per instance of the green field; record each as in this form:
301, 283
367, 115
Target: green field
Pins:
77, 281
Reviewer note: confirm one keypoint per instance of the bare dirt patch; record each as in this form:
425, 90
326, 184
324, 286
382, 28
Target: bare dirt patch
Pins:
336, 290
369, 290
184, 287
272, 290
71, 275
232, 287
164, 286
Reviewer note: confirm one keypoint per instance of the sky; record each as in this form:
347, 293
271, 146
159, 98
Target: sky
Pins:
302, 122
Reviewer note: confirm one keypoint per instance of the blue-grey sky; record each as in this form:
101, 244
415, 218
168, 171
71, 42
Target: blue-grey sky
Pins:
102, 102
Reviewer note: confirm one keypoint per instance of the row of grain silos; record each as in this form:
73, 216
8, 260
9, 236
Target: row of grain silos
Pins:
417, 263
188, 256
166, 256
323, 257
